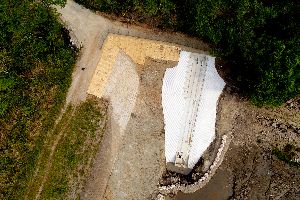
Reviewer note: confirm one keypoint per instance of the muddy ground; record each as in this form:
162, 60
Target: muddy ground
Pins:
249, 170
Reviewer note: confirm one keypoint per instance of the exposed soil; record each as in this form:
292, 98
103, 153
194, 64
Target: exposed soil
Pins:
121, 91
249, 170
140, 162
136, 156
88, 31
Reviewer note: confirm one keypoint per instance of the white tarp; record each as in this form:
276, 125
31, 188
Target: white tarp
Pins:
189, 107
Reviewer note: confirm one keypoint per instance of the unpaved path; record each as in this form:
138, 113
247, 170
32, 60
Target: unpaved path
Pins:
141, 162
50, 159
139, 149
131, 160
89, 30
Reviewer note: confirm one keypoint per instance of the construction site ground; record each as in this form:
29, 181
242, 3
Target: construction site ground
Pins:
249, 170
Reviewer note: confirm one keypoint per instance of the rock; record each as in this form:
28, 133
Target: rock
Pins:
206, 165
160, 197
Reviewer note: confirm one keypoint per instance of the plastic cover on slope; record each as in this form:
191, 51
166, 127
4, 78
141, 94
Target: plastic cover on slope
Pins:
175, 107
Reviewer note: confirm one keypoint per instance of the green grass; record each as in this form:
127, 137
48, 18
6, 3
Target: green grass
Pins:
24, 140
82, 128
287, 154
36, 63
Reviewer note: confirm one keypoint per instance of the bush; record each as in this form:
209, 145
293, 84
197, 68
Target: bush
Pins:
157, 10
287, 154
260, 39
36, 62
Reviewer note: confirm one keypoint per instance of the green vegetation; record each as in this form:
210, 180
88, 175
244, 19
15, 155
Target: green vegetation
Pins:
287, 154
157, 12
259, 40
81, 129
36, 62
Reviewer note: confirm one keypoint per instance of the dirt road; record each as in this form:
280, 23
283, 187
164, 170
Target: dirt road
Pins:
89, 30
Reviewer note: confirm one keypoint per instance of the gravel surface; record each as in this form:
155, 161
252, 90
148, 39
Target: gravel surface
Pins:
249, 170
141, 161
88, 31
122, 89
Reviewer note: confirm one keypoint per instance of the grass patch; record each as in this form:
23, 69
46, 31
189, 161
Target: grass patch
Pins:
287, 154
81, 128
36, 63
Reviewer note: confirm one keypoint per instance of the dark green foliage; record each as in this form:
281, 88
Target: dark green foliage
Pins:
148, 7
150, 10
103, 5
36, 62
259, 39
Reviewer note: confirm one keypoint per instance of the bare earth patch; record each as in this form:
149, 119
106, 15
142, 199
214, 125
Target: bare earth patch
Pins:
249, 170
140, 158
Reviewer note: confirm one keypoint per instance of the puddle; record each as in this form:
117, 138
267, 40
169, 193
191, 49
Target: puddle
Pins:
218, 188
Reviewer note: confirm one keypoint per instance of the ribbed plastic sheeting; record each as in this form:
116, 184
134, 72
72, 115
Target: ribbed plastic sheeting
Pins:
175, 106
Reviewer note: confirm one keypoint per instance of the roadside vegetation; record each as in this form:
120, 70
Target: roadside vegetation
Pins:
36, 62
259, 40
288, 154
79, 133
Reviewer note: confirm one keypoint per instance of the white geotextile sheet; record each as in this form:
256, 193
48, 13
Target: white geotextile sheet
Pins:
172, 103
173, 109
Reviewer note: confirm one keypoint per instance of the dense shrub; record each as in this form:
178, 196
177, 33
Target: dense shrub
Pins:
36, 61
258, 38
161, 11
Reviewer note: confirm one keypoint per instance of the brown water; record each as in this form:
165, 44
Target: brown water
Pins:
218, 188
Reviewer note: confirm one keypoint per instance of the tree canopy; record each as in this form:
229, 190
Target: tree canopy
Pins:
36, 61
